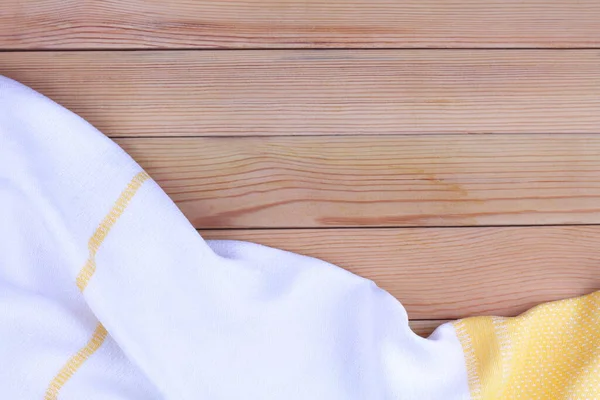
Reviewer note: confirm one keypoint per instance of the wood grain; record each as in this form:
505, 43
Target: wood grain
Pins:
425, 328
238, 93
358, 181
448, 273
134, 24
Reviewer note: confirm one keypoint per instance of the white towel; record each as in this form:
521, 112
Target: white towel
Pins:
108, 292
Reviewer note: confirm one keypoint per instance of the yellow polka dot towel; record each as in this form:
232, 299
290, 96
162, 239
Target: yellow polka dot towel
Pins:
108, 292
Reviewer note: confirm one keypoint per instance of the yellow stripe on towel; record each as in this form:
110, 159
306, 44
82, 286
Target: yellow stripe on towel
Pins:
75, 362
83, 278
105, 226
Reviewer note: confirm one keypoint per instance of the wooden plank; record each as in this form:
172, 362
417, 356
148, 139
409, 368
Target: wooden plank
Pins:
449, 273
358, 181
425, 328
237, 93
134, 24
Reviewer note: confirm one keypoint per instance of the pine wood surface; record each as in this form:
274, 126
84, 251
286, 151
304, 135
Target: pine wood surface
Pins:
198, 24
325, 92
369, 181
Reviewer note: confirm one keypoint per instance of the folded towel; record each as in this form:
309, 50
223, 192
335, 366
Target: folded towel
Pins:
108, 292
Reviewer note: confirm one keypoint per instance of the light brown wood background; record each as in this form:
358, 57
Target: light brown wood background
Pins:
448, 150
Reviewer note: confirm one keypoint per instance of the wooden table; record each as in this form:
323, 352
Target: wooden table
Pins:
448, 150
